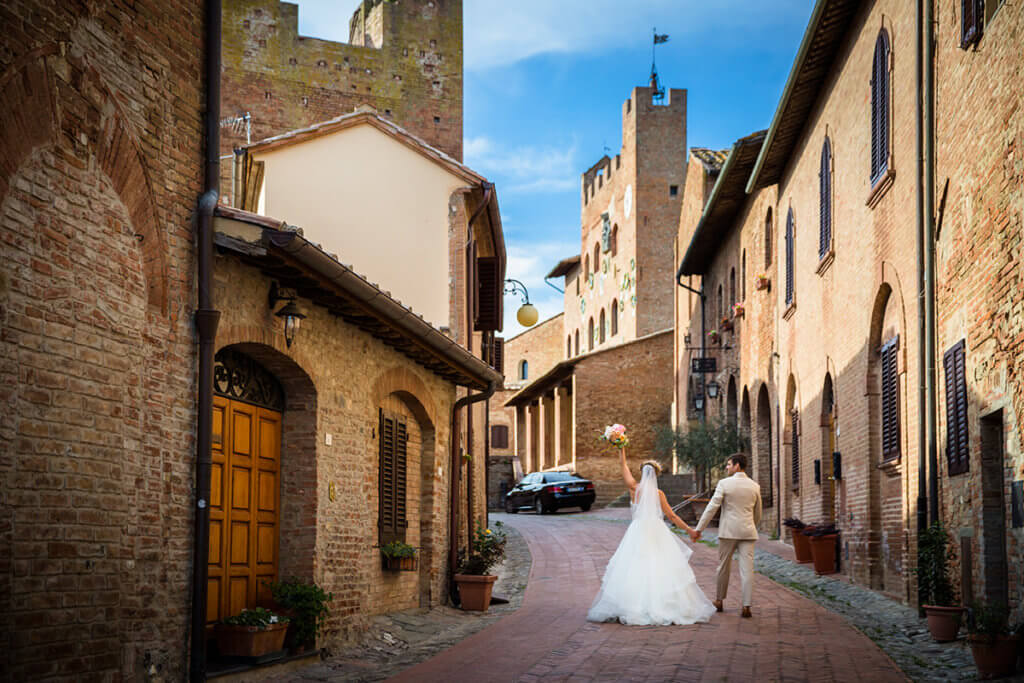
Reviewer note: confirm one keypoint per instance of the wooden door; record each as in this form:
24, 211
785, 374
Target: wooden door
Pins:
244, 507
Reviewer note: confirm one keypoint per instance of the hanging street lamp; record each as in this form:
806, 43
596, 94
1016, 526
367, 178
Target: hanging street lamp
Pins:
527, 314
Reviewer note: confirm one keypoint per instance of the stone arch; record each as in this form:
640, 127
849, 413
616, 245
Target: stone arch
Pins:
762, 445
37, 113
299, 465
403, 386
828, 445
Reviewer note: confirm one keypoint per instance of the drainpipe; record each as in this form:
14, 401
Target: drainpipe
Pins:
929, 256
703, 334
454, 466
206, 319
922, 371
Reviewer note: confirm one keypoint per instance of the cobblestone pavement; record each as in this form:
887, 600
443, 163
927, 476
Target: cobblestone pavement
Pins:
549, 639
399, 640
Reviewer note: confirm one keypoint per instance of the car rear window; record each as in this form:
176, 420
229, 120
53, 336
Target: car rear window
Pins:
551, 477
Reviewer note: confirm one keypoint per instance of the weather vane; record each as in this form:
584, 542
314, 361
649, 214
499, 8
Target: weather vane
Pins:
658, 95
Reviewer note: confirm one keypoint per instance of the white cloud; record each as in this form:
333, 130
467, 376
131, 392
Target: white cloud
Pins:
525, 168
529, 265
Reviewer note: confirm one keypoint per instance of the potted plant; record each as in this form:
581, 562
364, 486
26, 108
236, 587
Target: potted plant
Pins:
823, 540
761, 282
251, 633
934, 587
726, 324
993, 642
399, 556
738, 310
801, 543
713, 336
474, 583
306, 606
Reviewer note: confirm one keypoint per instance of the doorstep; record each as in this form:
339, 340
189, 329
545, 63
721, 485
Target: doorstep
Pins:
246, 672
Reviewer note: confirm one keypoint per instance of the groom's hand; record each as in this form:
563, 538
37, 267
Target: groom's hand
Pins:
694, 535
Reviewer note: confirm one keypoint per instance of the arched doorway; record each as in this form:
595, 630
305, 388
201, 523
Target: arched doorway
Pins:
828, 446
791, 449
745, 427
731, 407
763, 447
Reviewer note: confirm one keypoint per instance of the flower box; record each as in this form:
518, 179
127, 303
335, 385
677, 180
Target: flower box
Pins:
762, 282
738, 310
401, 564
250, 641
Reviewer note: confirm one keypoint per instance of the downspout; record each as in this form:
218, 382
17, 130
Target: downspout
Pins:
929, 254
454, 466
206, 320
922, 399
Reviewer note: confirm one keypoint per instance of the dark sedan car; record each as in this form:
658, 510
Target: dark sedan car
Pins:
546, 492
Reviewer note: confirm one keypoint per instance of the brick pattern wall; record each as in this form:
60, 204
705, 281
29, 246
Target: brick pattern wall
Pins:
979, 279
96, 353
406, 61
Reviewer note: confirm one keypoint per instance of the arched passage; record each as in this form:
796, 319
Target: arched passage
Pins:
828, 446
762, 447
731, 404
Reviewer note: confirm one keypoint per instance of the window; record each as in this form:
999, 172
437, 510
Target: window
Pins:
957, 450
601, 327
590, 334
615, 239
971, 13
597, 258
789, 257
568, 346
825, 201
615, 317
578, 278
673, 190
768, 240
880, 108
796, 448
498, 354
732, 286
524, 370
721, 303
586, 265
576, 341
391, 500
890, 400
743, 276
499, 436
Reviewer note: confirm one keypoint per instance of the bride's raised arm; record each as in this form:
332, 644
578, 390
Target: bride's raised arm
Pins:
627, 476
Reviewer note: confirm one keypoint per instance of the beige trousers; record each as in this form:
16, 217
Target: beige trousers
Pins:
726, 547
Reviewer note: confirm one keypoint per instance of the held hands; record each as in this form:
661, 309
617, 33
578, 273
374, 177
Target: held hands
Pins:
694, 534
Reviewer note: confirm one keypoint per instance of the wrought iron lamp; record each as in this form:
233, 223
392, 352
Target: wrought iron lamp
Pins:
527, 314
698, 403
290, 312
712, 388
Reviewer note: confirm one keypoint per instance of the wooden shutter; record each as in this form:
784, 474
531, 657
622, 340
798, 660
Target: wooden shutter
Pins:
489, 295
890, 400
499, 436
880, 108
789, 257
796, 448
498, 355
768, 241
392, 519
957, 446
971, 17
825, 200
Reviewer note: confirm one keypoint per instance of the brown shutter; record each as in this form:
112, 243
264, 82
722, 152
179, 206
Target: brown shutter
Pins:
890, 400
489, 293
498, 355
971, 16
957, 445
499, 436
392, 478
789, 257
825, 200
796, 448
401, 439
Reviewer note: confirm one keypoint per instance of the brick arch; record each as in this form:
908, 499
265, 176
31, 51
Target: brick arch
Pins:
36, 112
410, 388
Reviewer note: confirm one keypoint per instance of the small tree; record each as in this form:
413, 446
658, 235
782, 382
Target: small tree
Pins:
934, 554
704, 446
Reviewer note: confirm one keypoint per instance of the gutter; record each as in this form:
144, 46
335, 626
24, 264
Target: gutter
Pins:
922, 393
206, 319
929, 257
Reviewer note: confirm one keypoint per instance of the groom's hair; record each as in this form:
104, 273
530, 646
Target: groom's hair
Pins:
738, 459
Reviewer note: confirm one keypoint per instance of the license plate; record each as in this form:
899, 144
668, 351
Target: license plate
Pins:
574, 489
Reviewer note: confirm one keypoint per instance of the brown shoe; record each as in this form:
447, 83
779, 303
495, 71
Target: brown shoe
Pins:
717, 604
746, 613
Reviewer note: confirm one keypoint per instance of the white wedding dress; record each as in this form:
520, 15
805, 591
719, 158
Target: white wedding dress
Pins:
649, 581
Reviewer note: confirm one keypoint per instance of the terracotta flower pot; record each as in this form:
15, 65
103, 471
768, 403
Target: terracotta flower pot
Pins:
943, 622
475, 591
404, 564
996, 656
802, 546
250, 641
823, 552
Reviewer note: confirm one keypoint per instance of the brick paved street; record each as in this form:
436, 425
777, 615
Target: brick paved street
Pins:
548, 638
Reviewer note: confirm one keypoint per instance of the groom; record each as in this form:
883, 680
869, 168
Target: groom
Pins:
739, 496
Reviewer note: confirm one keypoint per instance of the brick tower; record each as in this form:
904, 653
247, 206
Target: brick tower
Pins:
404, 59
629, 214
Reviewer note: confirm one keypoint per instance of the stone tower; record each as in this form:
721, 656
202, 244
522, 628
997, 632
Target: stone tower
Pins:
403, 58
629, 214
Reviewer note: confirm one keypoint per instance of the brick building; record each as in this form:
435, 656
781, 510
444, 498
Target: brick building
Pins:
404, 59
102, 166
838, 342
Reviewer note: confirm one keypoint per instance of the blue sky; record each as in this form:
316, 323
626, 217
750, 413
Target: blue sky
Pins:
544, 86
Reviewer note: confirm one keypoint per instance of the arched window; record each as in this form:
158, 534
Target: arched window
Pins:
615, 317
568, 346
586, 265
743, 277
590, 334
524, 370
789, 257
601, 327
721, 303
825, 201
880, 108
768, 240
597, 258
732, 286
576, 341
615, 239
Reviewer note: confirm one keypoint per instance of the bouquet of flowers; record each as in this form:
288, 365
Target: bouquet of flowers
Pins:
615, 435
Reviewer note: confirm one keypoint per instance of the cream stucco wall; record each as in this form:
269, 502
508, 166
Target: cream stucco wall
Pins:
379, 205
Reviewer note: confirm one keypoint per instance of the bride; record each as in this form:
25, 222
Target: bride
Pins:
649, 581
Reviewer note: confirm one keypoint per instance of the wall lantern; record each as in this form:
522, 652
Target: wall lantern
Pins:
698, 403
290, 312
712, 389
527, 314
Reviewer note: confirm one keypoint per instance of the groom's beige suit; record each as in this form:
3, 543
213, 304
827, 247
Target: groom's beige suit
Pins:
739, 497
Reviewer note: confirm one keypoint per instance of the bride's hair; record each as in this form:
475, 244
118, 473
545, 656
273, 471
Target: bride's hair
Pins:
652, 463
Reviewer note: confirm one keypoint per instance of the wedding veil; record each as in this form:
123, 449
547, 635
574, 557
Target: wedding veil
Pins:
647, 499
